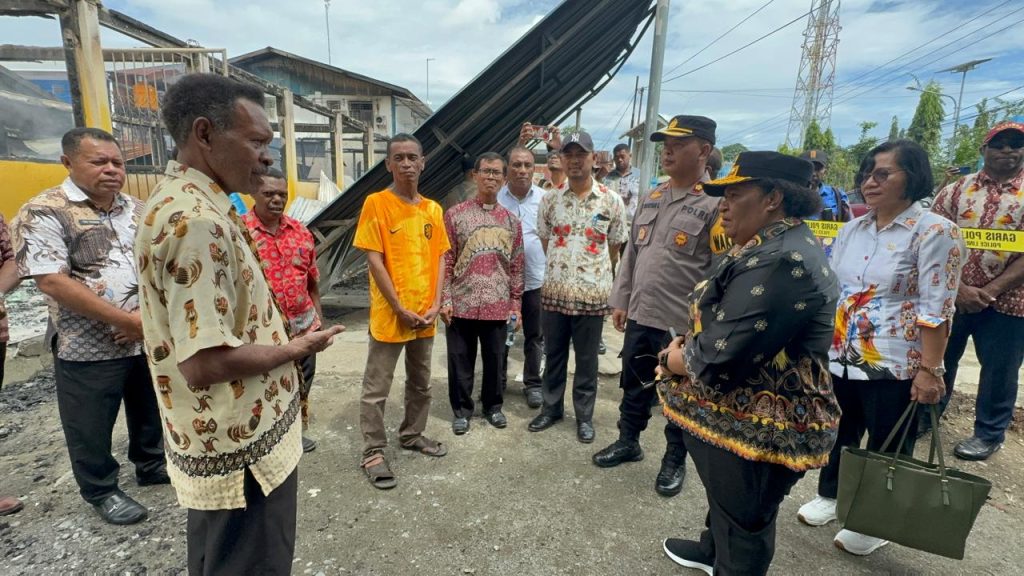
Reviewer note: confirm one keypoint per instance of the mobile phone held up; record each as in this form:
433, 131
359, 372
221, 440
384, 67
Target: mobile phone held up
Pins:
543, 133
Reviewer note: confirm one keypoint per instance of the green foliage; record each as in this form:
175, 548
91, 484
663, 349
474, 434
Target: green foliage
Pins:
894, 129
784, 149
858, 151
814, 139
730, 152
926, 127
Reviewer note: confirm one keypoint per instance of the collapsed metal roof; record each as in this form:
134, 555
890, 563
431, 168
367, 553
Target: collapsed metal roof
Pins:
553, 69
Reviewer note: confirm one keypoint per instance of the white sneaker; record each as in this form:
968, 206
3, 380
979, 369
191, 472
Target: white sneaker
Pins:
519, 377
818, 512
856, 543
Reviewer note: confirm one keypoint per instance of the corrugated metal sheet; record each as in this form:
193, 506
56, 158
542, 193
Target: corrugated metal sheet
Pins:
560, 63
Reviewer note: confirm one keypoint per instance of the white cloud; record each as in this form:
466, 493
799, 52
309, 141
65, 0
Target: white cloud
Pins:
391, 40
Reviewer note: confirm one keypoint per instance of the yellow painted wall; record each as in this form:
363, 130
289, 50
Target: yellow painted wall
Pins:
23, 180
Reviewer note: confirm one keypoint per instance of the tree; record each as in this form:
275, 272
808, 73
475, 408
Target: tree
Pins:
926, 127
864, 145
813, 137
730, 152
828, 141
894, 129
966, 142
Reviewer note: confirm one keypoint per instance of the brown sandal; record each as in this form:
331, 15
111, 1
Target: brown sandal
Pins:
426, 446
378, 472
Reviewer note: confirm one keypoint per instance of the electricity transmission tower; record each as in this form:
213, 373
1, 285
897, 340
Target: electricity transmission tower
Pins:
812, 99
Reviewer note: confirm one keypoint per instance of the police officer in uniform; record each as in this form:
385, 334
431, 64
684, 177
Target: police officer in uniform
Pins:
669, 252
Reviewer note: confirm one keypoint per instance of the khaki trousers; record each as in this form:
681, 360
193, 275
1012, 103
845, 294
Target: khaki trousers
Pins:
381, 360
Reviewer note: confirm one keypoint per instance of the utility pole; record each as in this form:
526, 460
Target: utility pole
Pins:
327, 21
632, 113
962, 69
653, 93
428, 80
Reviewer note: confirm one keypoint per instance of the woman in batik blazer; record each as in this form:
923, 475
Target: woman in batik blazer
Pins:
750, 383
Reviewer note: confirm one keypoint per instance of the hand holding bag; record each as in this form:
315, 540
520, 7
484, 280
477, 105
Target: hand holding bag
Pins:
908, 501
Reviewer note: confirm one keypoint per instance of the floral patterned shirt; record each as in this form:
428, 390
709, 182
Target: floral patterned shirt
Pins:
6, 253
892, 281
978, 201
61, 231
484, 267
202, 288
757, 382
578, 233
289, 262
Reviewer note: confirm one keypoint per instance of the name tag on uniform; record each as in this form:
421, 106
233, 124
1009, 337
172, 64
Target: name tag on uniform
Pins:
84, 222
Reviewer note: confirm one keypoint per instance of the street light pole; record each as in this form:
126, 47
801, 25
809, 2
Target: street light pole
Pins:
327, 21
428, 79
962, 69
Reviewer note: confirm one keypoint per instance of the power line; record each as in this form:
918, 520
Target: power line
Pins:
723, 35
851, 87
619, 121
996, 97
741, 48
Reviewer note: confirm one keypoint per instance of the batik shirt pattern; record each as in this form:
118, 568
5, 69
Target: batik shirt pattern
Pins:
288, 257
578, 233
892, 282
757, 381
978, 201
202, 288
61, 231
484, 268
6, 254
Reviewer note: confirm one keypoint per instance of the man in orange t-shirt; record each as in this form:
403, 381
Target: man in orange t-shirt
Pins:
403, 236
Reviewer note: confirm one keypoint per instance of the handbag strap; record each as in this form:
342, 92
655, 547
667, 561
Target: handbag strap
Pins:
904, 424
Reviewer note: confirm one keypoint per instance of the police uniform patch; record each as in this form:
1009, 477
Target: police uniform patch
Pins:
641, 234
656, 194
682, 239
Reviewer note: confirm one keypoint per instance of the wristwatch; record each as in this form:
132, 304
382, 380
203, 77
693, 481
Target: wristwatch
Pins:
937, 371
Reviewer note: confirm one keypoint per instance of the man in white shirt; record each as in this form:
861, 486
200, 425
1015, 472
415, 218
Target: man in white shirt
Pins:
521, 197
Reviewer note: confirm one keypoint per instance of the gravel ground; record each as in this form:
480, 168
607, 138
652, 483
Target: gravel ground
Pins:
502, 502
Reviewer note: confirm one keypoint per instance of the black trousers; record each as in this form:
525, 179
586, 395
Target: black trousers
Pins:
999, 344
583, 333
258, 539
533, 339
89, 395
743, 505
462, 336
3, 360
640, 348
871, 406
308, 366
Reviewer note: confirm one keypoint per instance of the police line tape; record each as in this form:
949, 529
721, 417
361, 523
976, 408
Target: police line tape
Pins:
977, 238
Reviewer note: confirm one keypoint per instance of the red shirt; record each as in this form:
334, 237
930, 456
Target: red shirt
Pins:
289, 262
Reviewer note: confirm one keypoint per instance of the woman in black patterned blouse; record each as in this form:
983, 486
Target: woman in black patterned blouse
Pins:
750, 383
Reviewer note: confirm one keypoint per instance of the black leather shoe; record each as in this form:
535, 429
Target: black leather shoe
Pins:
585, 432
460, 426
308, 444
153, 478
120, 509
497, 419
619, 452
670, 478
975, 448
543, 422
534, 398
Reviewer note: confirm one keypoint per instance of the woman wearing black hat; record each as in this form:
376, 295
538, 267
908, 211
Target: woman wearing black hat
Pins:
750, 382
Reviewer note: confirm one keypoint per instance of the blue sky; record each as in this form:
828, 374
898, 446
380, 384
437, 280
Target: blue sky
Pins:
749, 93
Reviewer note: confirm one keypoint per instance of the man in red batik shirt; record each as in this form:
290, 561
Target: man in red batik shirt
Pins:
289, 262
